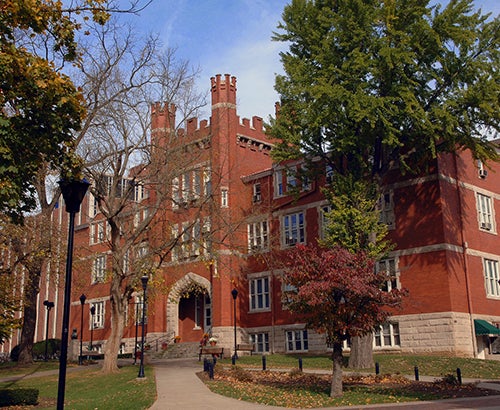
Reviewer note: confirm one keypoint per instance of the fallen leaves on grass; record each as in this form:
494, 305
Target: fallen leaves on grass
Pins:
308, 390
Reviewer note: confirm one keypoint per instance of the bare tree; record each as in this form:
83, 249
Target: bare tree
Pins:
128, 171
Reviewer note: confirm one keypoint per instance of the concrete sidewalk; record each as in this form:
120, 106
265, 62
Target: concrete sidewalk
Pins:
178, 387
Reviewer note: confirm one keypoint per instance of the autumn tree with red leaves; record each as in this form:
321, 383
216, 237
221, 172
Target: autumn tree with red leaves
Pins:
337, 293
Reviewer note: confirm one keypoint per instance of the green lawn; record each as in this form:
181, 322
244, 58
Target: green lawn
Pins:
388, 364
91, 389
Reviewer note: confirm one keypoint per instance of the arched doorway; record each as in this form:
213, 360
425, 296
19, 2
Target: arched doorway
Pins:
189, 311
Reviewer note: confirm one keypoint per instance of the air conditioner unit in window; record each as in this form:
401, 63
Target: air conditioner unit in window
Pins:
483, 173
291, 241
486, 226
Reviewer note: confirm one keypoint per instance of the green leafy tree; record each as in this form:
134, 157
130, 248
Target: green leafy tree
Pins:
372, 85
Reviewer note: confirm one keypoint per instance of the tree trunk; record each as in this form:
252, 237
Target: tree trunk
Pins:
30, 293
112, 347
361, 352
336, 388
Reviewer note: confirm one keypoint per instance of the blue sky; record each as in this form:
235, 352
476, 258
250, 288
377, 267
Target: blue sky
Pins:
234, 37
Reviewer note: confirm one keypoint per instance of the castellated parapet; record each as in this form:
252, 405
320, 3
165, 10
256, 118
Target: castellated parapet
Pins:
223, 92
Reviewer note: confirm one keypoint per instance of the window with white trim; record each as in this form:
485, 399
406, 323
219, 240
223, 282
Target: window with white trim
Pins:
485, 212
293, 229
278, 183
328, 174
224, 198
99, 269
93, 206
260, 341
291, 178
207, 181
98, 316
297, 341
257, 196
389, 266
324, 220
386, 208
386, 335
259, 293
491, 277
176, 196
258, 237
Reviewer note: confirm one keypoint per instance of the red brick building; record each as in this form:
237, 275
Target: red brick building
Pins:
230, 206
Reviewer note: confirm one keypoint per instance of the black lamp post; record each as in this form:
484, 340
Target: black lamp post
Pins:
136, 330
48, 305
82, 302
234, 294
92, 313
144, 280
73, 193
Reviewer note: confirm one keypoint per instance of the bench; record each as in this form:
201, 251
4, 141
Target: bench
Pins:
213, 351
245, 347
91, 356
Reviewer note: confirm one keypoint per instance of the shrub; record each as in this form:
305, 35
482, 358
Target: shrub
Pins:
53, 348
16, 397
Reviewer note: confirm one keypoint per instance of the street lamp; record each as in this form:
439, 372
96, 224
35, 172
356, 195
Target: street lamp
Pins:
48, 305
136, 331
144, 280
234, 294
92, 312
73, 193
82, 302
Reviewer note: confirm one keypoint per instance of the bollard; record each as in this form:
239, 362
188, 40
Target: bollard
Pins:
233, 359
300, 363
263, 362
459, 375
211, 370
205, 364
416, 374
377, 368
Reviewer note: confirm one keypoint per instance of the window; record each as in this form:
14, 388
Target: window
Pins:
278, 183
259, 293
293, 229
324, 220
386, 208
258, 236
257, 196
139, 307
207, 181
387, 335
126, 262
175, 193
491, 277
93, 206
328, 174
208, 313
484, 210
175, 249
389, 267
260, 341
296, 341
98, 316
139, 192
99, 269
224, 198
291, 180
196, 183
186, 186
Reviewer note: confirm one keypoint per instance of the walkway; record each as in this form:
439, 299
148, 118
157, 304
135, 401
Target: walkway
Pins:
179, 387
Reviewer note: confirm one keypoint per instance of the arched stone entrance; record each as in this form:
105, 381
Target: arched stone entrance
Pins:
188, 308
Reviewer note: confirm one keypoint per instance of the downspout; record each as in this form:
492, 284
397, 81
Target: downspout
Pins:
465, 247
